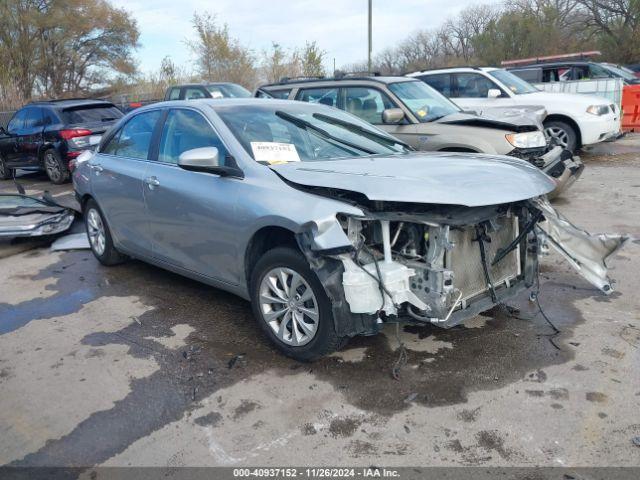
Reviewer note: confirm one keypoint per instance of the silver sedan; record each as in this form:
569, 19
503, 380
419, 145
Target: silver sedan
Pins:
328, 225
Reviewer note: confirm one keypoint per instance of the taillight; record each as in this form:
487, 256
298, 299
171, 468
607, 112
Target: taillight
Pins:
74, 133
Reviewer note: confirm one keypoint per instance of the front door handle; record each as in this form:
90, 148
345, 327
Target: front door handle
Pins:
152, 182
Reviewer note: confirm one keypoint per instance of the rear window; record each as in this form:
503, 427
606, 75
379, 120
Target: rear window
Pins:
531, 75
91, 114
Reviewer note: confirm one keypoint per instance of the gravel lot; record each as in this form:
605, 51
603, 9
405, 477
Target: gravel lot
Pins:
133, 365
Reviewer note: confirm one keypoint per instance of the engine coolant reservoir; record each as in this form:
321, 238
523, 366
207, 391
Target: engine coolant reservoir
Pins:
362, 290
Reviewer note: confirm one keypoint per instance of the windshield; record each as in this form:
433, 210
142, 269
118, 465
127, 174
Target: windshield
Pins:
513, 82
621, 72
228, 90
281, 132
426, 103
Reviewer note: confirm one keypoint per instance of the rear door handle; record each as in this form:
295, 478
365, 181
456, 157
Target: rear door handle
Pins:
152, 182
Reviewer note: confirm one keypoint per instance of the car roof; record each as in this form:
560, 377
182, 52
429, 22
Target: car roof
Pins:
452, 69
200, 84
69, 103
290, 83
552, 64
219, 102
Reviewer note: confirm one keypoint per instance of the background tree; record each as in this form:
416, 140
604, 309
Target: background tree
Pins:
311, 59
60, 47
219, 57
277, 63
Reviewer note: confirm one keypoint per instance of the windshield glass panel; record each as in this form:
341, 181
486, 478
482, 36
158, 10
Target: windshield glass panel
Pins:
229, 90
305, 132
620, 72
513, 82
426, 103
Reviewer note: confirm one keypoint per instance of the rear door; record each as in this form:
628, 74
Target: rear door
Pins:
117, 174
190, 213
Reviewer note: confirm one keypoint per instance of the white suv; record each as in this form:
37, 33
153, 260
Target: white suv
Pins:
573, 120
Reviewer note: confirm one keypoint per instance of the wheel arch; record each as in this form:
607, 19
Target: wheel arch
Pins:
263, 240
568, 120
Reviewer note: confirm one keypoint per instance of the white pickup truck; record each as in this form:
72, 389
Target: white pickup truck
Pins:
573, 120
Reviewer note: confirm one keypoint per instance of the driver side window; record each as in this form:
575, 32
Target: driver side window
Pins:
186, 130
473, 85
367, 103
17, 122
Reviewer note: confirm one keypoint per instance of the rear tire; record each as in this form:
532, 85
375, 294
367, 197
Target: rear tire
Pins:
564, 134
5, 172
282, 281
57, 170
99, 235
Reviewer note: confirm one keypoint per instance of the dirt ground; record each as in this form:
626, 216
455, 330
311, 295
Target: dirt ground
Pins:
132, 365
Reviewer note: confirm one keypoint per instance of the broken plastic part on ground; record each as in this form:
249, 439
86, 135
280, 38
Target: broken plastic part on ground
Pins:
28, 216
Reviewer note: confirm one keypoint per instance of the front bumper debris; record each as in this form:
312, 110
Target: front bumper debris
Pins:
26, 216
585, 252
564, 168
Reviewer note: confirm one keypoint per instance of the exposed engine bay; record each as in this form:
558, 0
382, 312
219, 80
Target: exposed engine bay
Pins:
444, 264
439, 273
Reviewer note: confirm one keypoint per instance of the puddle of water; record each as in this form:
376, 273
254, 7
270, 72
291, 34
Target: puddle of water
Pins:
489, 356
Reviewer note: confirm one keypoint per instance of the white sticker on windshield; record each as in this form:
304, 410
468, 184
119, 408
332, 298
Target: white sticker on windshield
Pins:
274, 152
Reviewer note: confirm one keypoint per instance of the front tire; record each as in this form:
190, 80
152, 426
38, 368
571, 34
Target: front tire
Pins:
56, 169
563, 134
291, 305
99, 235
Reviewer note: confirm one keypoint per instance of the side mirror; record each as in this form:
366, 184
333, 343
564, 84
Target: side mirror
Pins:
207, 159
493, 93
392, 115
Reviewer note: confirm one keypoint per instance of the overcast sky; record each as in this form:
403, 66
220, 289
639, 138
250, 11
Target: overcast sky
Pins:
339, 26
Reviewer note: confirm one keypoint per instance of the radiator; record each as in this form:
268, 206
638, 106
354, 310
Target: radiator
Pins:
466, 263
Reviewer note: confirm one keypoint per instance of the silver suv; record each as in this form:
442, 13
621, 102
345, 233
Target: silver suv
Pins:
425, 119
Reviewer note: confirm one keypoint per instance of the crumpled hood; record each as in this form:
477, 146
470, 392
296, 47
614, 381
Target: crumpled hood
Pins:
511, 123
433, 178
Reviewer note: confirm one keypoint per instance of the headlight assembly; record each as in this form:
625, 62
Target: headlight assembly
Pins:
598, 109
527, 139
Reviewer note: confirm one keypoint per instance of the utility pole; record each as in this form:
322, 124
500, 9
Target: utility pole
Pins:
369, 55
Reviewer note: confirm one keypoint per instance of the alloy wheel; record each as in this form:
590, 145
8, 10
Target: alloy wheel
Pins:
96, 232
52, 167
560, 135
289, 306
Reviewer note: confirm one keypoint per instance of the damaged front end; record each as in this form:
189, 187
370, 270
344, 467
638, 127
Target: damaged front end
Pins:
558, 163
26, 216
442, 264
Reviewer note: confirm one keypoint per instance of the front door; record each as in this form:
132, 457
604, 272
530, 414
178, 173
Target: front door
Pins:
369, 103
117, 175
10, 144
471, 92
190, 213
30, 137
